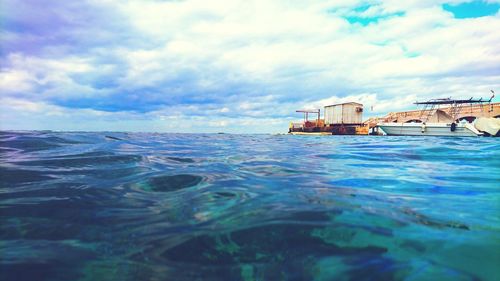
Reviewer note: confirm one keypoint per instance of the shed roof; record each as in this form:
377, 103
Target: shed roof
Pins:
356, 103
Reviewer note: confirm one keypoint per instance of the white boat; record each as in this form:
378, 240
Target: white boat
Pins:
436, 122
429, 129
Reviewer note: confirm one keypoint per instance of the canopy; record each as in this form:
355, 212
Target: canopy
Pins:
440, 117
450, 101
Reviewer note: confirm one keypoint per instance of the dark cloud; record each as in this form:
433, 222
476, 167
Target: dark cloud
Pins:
51, 28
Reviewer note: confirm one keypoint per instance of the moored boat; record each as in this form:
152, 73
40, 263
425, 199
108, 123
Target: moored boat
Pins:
430, 129
436, 122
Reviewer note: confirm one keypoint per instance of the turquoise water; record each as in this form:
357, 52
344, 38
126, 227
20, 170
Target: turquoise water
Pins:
119, 206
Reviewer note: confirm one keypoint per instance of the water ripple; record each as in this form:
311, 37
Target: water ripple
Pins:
155, 206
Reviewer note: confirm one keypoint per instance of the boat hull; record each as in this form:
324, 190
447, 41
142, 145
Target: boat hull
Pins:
430, 129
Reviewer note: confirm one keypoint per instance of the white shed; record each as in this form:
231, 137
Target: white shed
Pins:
344, 113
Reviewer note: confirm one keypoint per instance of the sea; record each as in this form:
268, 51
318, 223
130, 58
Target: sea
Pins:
154, 206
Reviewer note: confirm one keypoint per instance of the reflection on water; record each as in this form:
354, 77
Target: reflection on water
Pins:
120, 206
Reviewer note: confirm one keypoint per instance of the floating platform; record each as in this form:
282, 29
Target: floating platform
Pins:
333, 129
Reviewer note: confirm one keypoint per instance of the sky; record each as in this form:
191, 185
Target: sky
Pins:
199, 66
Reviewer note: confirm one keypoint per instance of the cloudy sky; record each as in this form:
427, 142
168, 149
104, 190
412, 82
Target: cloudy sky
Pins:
235, 66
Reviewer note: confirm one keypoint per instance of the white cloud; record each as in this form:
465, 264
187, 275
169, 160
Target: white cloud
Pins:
16, 79
44, 78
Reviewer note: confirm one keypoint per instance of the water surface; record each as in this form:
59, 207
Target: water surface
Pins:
123, 206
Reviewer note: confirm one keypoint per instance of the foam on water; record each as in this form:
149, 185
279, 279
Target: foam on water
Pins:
122, 206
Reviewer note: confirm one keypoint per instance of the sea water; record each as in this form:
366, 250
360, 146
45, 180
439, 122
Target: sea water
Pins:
146, 206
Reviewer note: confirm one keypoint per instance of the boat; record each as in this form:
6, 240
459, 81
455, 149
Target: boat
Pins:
436, 122
430, 129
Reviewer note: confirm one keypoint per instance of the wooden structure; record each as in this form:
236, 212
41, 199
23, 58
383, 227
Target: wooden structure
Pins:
311, 123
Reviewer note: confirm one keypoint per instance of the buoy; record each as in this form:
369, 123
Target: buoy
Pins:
423, 128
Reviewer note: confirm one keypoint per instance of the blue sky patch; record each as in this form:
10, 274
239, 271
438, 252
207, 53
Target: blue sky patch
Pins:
361, 20
364, 21
362, 8
474, 9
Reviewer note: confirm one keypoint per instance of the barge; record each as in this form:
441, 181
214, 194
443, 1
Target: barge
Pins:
339, 119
